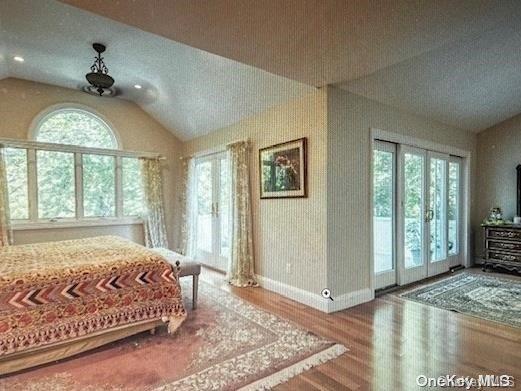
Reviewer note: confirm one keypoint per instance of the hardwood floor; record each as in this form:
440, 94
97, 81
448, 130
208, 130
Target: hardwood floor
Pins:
391, 341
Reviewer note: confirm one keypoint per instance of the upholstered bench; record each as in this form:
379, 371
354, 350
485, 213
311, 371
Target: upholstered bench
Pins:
188, 267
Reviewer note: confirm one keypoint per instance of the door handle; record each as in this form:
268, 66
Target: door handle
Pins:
429, 215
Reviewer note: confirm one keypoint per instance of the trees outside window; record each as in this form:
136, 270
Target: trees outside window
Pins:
70, 182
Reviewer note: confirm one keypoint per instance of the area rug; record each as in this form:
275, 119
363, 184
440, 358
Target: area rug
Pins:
491, 298
226, 344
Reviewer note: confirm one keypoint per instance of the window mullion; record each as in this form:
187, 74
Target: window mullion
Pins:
32, 184
119, 187
78, 173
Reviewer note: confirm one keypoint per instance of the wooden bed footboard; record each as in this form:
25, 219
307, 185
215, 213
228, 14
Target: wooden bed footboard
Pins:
30, 358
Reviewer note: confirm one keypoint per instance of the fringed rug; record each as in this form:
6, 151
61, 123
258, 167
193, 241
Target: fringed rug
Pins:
491, 298
226, 344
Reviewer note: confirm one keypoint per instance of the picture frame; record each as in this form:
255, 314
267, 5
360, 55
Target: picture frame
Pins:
283, 170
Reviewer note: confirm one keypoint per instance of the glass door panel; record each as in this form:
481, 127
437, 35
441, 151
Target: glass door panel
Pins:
454, 211
213, 196
204, 237
413, 202
224, 209
417, 213
437, 214
384, 214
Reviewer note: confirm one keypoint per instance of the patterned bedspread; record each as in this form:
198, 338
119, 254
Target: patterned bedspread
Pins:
51, 292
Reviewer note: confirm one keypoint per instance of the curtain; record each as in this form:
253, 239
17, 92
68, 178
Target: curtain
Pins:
155, 229
188, 203
5, 221
241, 266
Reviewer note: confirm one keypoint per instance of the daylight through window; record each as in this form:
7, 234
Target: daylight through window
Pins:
71, 183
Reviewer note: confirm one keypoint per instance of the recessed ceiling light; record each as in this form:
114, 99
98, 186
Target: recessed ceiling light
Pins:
138, 86
18, 59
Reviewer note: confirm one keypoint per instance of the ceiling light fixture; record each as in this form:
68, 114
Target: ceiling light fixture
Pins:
18, 59
138, 86
99, 77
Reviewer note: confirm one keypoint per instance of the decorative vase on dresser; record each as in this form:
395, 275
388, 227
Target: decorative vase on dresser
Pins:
502, 245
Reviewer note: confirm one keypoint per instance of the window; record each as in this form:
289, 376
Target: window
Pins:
75, 127
56, 187
16, 164
99, 186
133, 195
83, 177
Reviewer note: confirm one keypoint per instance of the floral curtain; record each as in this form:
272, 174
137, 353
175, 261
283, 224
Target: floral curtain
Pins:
241, 266
5, 221
188, 203
155, 229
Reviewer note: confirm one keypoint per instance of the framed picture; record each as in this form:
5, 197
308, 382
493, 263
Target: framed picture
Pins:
283, 170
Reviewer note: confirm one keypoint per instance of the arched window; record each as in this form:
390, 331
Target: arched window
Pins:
83, 178
75, 126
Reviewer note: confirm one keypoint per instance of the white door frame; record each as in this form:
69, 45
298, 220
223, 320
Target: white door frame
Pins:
407, 275
437, 267
466, 162
213, 259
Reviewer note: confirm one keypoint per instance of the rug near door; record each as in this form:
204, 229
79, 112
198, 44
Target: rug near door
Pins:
226, 344
482, 296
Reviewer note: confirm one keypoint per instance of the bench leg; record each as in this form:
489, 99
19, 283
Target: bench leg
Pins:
195, 286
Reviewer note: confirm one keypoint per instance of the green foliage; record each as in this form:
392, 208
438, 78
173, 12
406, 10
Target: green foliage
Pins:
133, 192
56, 184
76, 127
99, 187
383, 183
204, 188
16, 163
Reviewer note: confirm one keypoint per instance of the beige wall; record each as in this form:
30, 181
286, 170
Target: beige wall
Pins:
286, 230
499, 153
21, 101
350, 118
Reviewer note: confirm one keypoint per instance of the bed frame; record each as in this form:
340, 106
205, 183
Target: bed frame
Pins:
42, 355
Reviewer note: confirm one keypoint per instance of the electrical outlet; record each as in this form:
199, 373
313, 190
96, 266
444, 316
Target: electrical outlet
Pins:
288, 268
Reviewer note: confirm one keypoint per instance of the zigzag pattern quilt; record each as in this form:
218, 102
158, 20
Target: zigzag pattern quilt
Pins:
52, 292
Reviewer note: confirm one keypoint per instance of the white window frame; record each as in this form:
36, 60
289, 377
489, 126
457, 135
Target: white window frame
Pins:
50, 111
79, 221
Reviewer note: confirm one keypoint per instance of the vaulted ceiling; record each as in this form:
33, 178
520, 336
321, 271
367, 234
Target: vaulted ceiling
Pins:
190, 91
458, 62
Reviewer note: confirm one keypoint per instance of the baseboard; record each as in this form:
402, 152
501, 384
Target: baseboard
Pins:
315, 300
350, 300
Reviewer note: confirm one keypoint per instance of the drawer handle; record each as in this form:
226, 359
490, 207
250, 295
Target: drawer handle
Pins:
508, 258
507, 234
506, 245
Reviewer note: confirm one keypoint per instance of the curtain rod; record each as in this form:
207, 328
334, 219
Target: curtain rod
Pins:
28, 144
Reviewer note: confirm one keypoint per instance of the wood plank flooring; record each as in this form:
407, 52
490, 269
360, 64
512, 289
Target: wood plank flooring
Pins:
391, 341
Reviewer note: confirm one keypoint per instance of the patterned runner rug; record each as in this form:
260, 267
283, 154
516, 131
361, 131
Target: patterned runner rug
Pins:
226, 344
491, 298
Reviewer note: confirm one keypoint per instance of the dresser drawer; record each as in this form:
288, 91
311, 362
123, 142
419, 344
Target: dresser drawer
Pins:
504, 234
504, 246
504, 257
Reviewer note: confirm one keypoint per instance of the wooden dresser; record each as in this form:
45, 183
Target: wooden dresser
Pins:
502, 245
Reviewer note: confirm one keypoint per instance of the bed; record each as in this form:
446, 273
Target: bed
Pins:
62, 298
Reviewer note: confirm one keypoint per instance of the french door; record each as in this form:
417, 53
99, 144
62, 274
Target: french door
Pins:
417, 213
212, 238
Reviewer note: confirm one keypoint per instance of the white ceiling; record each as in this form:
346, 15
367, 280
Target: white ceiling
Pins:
190, 91
471, 84
456, 61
